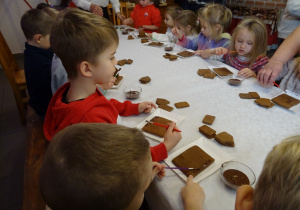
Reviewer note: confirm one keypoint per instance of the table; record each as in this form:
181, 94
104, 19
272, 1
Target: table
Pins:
255, 129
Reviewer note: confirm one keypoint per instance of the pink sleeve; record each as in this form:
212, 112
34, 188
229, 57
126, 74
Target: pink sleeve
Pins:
159, 152
126, 108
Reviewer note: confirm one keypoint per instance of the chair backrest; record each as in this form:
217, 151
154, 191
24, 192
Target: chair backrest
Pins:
123, 11
15, 76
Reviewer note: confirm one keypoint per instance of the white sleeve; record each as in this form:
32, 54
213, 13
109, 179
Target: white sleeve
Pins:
216, 57
116, 5
293, 8
160, 37
82, 4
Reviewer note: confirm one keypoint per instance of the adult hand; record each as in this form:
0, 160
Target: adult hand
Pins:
192, 195
171, 137
96, 9
120, 16
267, 75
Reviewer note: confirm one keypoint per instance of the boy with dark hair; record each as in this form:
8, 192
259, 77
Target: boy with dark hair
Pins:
99, 166
36, 25
86, 44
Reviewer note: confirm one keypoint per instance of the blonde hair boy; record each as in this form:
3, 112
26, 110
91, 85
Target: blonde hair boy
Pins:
278, 186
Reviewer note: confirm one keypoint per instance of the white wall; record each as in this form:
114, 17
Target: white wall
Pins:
11, 12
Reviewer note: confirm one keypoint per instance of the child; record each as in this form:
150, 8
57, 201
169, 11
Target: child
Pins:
171, 13
36, 25
249, 40
278, 184
186, 24
214, 19
290, 76
99, 166
145, 16
86, 44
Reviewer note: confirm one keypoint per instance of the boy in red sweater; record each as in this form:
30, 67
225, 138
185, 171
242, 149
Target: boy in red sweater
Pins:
86, 44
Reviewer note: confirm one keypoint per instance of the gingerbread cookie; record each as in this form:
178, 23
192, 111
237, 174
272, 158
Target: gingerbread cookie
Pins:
193, 157
245, 96
201, 72
209, 75
264, 102
286, 101
209, 119
162, 101
180, 105
130, 37
254, 95
207, 131
222, 71
145, 80
144, 40
155, 44
156, 129
165, 107
225, 139
185, 53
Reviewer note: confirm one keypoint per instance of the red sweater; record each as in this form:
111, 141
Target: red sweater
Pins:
94, 108
149, 15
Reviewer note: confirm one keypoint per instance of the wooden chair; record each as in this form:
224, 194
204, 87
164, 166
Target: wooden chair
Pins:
123, 10
15, 76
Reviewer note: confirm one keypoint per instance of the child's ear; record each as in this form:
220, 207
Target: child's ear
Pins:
37, 38
84, 68
244, 198
188, 27
218, 27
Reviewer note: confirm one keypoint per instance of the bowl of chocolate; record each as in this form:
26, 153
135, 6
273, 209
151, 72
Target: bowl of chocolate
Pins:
124, 31
234, 79
169, 47
132, 92
235, 174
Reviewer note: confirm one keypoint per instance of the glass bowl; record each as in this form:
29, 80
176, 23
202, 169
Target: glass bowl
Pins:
236, 180
169, 47
132, 92
234, 79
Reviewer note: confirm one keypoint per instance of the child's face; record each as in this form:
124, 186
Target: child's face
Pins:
181, 28
244, 42
205, 29
104, 67
146, 179
144, 3
169, 21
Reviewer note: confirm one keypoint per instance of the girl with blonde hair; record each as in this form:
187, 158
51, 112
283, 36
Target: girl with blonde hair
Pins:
249, 41
214, 20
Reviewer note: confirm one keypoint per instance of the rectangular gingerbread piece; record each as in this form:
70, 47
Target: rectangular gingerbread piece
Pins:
193, 157
181, 104
222, 71
285, 101
156, 129
207, 131
209, 119
165, 107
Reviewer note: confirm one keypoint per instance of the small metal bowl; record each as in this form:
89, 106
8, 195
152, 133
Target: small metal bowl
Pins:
132, 92
238, 167
235, 80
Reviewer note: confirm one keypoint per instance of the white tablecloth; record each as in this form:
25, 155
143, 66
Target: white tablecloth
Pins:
255, 129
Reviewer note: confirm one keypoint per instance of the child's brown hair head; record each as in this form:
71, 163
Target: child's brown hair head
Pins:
259, 31
79, 36
278, 186
188, 17
36, 21
173, 11
93, 166
216, 14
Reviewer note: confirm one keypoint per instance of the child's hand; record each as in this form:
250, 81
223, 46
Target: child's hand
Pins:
127, 21
171, 137
108, 85
206, 53
146, 106
141, 28
158, 169
192, 194
198, 52
177, 33
220, 51
247, 73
